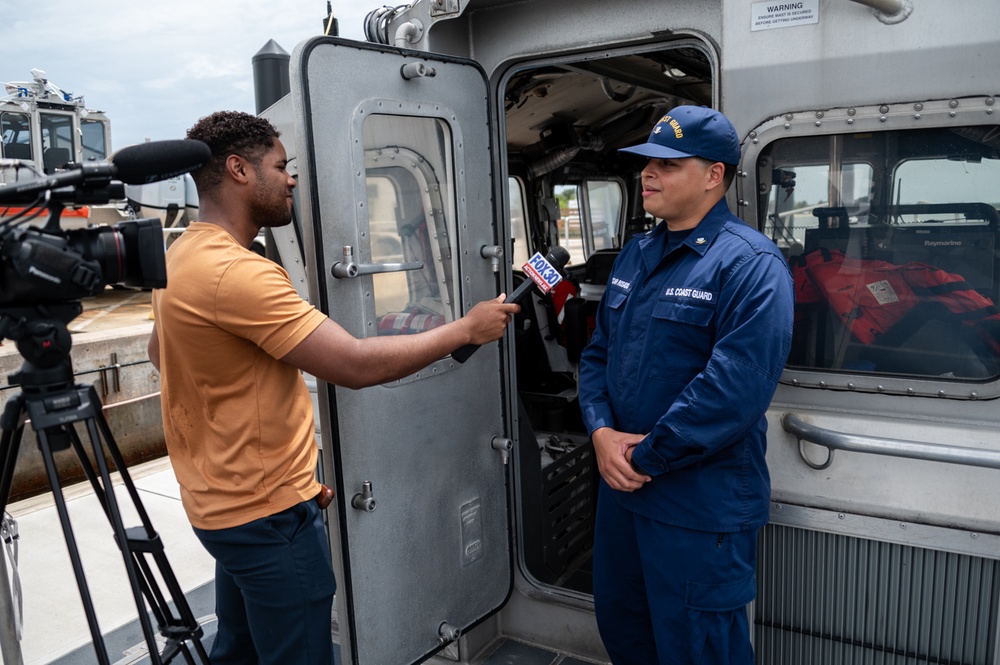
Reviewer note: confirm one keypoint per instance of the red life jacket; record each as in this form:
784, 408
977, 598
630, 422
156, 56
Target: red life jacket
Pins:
870, 296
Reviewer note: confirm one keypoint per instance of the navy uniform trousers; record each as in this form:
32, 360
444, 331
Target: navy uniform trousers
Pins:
665, 595
274, 590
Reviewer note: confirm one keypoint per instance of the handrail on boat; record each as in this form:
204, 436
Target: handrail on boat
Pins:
930, 452
885, 6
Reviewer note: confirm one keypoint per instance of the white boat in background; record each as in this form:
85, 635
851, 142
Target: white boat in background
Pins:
44, 129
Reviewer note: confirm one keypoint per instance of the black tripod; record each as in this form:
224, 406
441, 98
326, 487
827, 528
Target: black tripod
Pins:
54, 405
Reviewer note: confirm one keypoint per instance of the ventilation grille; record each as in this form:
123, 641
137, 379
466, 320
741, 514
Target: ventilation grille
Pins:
827, 599
568, 491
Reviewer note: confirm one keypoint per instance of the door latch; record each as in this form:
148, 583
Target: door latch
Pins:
494, 253
448, 633
504, 445
364, 500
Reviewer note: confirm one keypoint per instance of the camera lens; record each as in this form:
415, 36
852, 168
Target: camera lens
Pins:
104, 245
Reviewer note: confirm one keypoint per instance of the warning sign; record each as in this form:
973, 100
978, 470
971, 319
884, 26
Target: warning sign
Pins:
769, 15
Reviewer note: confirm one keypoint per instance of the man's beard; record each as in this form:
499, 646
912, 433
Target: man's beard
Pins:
267, 210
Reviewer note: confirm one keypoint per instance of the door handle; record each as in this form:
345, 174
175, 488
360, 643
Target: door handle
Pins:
347, 268
930, 452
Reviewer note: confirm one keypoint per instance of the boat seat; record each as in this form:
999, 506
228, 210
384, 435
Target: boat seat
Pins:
54, 158
17, 151
542, 362
596, 273
598, 268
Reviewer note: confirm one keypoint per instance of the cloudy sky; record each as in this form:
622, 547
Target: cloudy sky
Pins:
157, 67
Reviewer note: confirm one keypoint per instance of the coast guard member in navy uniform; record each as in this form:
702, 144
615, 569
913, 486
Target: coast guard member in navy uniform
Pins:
692, 334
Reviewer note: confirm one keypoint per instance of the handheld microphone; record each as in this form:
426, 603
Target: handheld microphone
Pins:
543, 273
136, 165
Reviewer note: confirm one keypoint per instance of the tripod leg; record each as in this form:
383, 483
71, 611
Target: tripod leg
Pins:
114, 516
142, 541
74, 553
10, 443
12, 422
101, 493
178, 631
10, 645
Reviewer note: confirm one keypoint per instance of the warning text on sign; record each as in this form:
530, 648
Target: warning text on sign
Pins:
770, 15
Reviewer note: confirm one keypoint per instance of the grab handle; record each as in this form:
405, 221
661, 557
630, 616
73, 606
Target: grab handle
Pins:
930, 452
347, 268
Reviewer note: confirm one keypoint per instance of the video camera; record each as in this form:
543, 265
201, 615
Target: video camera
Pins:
39, 266
49, 265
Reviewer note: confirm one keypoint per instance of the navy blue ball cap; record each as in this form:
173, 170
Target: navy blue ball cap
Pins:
691, 131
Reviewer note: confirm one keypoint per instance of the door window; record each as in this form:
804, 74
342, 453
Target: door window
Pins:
57, 141
93, 139
892, 238
411, 220
16, 132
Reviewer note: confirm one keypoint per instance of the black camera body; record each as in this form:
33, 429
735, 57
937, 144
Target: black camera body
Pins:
47, 266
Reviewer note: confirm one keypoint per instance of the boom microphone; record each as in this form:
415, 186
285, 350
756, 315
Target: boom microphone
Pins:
543, 273
136, 165
144, 163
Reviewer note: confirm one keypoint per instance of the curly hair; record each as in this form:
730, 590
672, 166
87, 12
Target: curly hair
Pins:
230, 133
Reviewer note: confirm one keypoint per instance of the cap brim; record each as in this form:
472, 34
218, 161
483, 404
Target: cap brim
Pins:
655, 151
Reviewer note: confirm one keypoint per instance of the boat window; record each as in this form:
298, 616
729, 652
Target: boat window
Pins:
604, 198
518, 223
590, 213
411, 219
892, 239
57, 141
568, 224
15, 129
93, 139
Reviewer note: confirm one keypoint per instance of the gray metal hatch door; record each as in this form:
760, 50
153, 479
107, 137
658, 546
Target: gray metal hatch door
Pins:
396, 189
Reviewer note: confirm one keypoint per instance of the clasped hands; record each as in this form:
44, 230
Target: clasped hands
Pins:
614, 456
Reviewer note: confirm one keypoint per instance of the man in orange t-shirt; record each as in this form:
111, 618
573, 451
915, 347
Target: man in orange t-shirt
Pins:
230, 338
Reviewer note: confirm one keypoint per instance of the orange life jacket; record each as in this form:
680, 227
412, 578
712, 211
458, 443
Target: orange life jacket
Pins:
870, 296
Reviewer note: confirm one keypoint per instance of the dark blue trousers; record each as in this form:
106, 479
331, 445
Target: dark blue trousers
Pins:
665, 595
274, 589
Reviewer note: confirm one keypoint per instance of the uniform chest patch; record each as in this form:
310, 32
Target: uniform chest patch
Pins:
688, 293
621, 284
